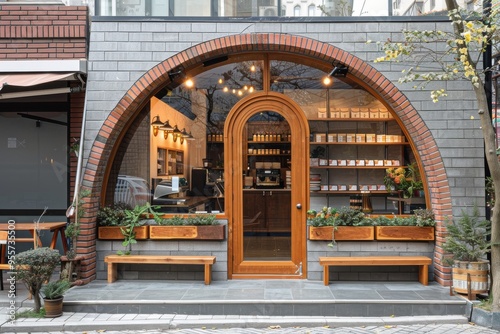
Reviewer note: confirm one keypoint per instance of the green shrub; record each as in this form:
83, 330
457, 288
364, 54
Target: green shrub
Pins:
113, 215
56, 289
34, 267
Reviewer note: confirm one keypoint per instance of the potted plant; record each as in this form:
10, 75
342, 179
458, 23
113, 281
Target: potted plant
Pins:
336, 225
196, 227
34, 267
53, 295
112, 218
134, 219
466, 246
405, 181
417, 227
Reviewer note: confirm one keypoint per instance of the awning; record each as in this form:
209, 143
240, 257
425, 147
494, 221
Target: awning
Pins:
32, 79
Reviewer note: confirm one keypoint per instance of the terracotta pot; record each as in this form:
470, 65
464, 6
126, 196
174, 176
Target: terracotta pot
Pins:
53, 307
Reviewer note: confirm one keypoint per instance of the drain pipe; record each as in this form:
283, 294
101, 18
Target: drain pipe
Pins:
74, 205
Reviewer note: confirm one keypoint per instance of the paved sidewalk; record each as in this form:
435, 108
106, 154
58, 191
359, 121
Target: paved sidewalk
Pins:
156, 324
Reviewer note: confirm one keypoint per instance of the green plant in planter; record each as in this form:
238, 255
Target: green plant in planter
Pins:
201, 220
55, 289
34, 267
113, 215
197, 220
134, 218
174, 221
351, 217
466, 239
424, 217
326, 217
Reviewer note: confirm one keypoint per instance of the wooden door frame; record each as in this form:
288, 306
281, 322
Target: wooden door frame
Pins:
235, 124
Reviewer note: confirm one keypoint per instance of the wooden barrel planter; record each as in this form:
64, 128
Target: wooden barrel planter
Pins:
474, 273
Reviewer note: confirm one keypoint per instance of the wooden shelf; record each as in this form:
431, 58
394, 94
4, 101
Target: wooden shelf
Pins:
355, 167
359, 143
351, 119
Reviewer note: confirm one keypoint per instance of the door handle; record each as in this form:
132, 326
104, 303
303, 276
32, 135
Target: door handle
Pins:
299, 206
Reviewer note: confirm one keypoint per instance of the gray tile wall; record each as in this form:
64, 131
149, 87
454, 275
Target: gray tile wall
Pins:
120, 53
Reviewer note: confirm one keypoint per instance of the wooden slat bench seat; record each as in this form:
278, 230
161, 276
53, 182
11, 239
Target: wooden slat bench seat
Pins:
422, 262
114, 260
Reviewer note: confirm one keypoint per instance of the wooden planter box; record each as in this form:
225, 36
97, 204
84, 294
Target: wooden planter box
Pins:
404, 233
114, 232
205, 232
356, 233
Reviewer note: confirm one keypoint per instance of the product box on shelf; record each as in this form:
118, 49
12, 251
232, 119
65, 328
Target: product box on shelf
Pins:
332, 162
323, 162
360, 138
322, 113
384, 114
355, 113
342, 162
363, 187
324, 187
351, 162
387, 162
372, 187
342, 187
353, 187
314, 162
341, 137
370, 138
350, 138
374, 113
345, 113
395, 163
334, 187
379, 162
334, 113
381, 187
380, 138
364, 113
320, 138
332, 137
370, 163
360, 162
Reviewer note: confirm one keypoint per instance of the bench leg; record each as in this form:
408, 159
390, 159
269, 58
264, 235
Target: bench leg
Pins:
423, 274
208, 274
326, 275
112, 272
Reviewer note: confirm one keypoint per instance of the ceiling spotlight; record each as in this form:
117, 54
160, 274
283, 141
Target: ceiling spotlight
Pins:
339, 71
327, 81
189, 83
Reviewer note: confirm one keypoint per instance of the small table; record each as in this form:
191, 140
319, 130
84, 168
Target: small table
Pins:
57, 228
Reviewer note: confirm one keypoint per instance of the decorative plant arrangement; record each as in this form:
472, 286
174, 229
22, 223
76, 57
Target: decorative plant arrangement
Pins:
135, 218
201, 226
405, 180
352, 224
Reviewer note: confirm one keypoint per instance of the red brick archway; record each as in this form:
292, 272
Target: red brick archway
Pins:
122, 117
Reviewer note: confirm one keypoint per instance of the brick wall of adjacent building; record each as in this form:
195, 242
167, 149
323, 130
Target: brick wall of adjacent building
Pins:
43, 32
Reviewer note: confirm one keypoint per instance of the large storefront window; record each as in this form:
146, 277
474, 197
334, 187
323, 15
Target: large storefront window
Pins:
353, 140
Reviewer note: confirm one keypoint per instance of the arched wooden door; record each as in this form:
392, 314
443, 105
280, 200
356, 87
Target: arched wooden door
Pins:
251, 231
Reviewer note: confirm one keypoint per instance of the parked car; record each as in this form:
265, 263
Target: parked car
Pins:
132, 190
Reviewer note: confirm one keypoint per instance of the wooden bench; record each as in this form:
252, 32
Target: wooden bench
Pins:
422, 262
114, 260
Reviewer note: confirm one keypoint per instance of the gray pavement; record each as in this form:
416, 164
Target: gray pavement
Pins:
151, 323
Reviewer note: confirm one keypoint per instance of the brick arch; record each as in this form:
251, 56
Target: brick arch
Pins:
137, 97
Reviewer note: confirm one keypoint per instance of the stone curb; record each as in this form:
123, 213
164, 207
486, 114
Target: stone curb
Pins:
250, 322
